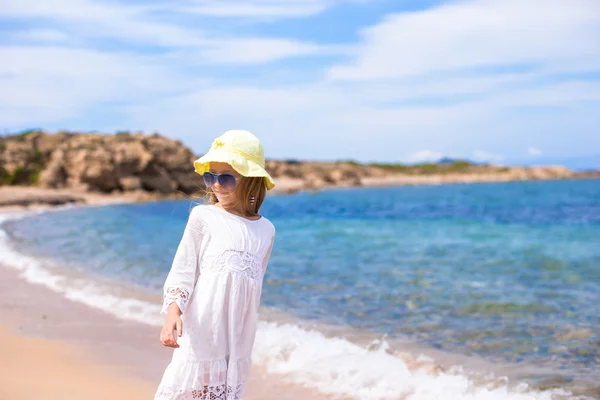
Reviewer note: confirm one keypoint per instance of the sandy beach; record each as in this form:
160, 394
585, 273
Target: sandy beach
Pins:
36, 368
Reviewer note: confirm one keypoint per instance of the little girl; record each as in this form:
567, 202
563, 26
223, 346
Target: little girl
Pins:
212, 292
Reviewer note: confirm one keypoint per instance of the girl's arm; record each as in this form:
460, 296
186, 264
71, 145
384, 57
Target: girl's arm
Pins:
180, 282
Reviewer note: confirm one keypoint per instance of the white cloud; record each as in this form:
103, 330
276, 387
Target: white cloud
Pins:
71, 81
93, 19
484, 156
255, 50
551, 94
257, 9
534, 152
75, 10
88, 19
478, 34
254, 8
425, 156
40, 35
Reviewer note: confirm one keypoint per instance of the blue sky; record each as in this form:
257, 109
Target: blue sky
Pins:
505, 81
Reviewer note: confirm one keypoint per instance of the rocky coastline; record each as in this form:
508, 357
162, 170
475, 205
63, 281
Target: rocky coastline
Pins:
37, 167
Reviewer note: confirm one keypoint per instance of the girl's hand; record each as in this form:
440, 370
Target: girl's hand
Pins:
173, 323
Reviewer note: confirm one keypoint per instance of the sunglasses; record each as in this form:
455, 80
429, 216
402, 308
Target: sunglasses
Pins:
226, 181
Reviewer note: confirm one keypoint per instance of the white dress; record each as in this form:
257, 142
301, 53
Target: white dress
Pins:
216, 280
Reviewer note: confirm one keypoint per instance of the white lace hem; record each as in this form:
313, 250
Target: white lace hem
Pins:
217, 392
204, 380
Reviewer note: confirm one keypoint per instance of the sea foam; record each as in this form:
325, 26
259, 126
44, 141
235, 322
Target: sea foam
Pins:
337, 366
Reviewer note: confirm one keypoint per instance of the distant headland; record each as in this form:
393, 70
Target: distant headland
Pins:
151, 166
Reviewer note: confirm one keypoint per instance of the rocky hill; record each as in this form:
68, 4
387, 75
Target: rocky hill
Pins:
97, 162
153, 164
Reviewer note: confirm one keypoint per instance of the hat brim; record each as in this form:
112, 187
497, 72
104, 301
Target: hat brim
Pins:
242, 165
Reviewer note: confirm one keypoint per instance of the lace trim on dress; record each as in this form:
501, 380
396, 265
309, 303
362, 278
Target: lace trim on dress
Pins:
241, 262
175, 295
216, 392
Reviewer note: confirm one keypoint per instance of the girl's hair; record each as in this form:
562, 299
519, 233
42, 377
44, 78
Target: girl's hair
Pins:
245, 188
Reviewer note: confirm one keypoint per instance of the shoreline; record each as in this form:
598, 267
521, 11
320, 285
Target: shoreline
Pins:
293, 186
33, 198
29, 198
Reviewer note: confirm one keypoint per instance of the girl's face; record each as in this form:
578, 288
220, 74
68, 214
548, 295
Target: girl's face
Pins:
227, 196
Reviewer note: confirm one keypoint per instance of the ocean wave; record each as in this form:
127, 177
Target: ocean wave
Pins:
86, 290
338, 367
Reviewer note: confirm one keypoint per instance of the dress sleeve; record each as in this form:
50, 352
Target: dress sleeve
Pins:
185, 268
268, 255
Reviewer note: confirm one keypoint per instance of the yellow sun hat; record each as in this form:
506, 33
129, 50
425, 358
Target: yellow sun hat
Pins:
240, 149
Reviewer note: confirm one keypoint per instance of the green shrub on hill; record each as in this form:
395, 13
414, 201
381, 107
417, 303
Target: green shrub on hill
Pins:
20, 136
24, 174
427, 168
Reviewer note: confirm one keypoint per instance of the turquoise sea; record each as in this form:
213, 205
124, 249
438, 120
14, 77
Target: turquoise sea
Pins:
501, 278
